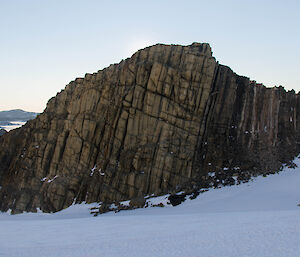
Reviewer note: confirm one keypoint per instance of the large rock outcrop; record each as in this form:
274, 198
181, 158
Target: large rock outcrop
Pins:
169, 118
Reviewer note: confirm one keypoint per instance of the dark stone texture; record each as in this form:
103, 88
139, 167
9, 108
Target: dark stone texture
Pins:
2, 132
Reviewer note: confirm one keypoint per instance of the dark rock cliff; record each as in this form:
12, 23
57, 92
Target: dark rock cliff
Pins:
2, 131
169, 118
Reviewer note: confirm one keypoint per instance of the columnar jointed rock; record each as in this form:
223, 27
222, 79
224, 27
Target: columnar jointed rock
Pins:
162, 121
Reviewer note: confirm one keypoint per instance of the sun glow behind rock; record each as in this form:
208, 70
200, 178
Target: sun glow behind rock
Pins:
137, 44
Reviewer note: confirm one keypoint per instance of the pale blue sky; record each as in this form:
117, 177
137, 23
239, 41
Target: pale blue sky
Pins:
46, 44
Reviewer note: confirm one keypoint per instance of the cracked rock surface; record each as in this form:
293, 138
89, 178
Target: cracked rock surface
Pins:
169, 118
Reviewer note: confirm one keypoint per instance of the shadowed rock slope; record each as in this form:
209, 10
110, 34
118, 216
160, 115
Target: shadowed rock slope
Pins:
168, 119
2, 131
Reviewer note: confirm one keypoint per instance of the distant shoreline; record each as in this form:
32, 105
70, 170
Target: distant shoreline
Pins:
16, 118
8, 126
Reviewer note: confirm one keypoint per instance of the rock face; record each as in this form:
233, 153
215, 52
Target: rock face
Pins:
2, 131
170, 118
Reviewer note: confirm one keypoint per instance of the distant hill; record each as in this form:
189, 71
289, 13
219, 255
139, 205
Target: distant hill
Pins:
16, 115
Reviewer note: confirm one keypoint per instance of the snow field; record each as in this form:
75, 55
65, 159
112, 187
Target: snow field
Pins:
259, 218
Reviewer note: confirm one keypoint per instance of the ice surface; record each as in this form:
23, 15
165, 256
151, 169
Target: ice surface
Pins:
259, 218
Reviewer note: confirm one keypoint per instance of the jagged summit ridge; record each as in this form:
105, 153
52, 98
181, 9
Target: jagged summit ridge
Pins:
169, 118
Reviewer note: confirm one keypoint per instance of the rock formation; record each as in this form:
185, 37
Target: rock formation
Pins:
170, 118
2, 131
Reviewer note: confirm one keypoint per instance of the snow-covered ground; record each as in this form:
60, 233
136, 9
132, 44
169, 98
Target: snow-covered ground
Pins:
260, 218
